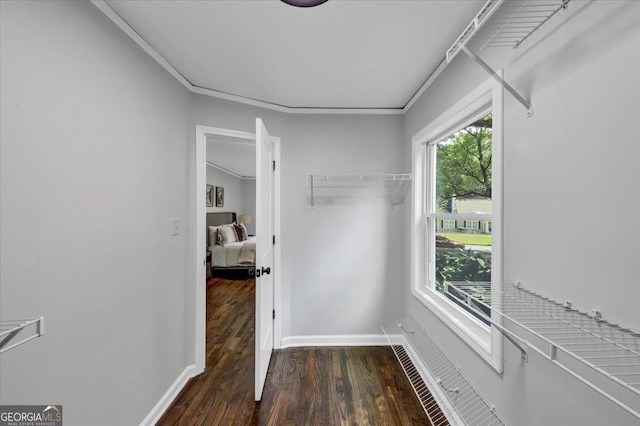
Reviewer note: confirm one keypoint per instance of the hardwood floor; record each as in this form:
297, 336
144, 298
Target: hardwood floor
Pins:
305, 386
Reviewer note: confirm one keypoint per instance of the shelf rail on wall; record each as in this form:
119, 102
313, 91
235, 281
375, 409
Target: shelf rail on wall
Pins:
505, 23
400, 179
10, 329
603, 355
444, 392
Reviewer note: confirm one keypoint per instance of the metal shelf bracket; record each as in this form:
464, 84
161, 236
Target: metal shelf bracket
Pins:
9, 329
499, 79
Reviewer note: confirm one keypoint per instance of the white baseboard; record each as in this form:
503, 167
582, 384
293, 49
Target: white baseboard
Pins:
168, 397
340, 340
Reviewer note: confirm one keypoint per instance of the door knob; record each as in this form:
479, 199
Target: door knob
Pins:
266, 270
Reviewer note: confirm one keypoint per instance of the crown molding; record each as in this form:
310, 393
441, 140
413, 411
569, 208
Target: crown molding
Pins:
104, 8
128, 30
222, 169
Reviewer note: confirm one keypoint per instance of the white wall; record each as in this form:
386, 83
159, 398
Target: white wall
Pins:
249, 203
95, 162
346, 256
569, 171
343, 263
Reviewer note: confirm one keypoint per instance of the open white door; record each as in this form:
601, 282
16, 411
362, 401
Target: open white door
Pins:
264, 253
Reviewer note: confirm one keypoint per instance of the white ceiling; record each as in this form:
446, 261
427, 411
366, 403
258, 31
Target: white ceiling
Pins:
232, 155
342, 54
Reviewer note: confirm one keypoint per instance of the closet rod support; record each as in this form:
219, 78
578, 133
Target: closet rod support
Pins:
499, 79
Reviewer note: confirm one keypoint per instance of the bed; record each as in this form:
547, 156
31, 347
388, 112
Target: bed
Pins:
229, 259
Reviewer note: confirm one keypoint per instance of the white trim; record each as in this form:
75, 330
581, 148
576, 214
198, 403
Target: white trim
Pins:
104, 8
292, 110
165, 402
459, 216
200, 335
128, 30
434, 75
476, 334
229, 172
335, 340
201, 180
277, 254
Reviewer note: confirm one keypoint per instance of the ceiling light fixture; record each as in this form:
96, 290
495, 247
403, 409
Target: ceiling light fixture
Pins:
304, 3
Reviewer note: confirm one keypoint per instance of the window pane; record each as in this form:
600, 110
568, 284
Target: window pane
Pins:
463, 169
463, 261
463, 186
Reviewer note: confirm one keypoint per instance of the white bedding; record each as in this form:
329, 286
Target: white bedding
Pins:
228, 255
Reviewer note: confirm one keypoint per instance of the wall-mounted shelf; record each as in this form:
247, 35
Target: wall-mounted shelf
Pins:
357, 180
10, 329
505, 23
444, 392
603, 355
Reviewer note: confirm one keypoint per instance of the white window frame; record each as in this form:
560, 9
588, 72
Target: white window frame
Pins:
485, 340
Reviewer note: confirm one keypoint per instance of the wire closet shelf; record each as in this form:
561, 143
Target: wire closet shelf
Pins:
10, 329
398, 180
603, 355
504, 23
444, 392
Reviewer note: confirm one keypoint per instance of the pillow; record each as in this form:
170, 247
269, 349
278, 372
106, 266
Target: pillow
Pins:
227, 234
213, 236
241, 232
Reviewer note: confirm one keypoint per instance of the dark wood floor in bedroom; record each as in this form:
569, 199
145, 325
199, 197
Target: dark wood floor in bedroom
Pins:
305, 386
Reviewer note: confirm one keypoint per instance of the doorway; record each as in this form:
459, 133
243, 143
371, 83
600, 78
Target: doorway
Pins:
202, 133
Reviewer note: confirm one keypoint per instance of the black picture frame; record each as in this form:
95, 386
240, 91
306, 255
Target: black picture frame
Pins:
219, 196
209, 195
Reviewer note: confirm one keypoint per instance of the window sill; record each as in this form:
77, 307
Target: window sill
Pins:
473, 332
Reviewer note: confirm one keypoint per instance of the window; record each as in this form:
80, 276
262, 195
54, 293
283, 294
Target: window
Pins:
472, 224
457, 199
448, 224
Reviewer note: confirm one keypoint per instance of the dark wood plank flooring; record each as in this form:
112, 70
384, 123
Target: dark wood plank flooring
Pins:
305, 386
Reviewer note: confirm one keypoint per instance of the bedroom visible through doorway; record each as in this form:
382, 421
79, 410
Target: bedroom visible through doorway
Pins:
226, 186
231, 200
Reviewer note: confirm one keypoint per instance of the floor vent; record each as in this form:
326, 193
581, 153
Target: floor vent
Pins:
445, 393
430, 405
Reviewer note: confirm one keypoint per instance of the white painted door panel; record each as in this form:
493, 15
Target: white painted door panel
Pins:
264, 254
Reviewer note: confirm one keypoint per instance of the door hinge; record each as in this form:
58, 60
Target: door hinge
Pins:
274, 165
273, 314
274, 240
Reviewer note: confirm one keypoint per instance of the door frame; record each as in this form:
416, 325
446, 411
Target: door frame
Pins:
199, 302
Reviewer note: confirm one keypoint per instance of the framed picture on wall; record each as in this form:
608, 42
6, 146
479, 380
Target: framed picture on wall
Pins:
209, 195
219, 196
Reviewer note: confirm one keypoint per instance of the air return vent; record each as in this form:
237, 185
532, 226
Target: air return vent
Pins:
446, 395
